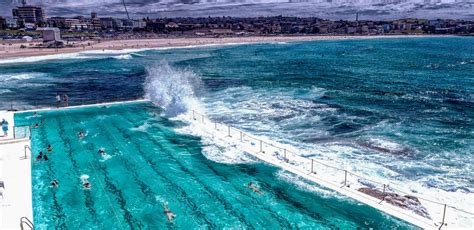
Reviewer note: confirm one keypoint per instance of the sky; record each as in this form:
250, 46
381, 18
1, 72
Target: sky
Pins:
329, 9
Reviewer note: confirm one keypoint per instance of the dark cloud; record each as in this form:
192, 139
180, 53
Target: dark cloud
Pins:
333, 9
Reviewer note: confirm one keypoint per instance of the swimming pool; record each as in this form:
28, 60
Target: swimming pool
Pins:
149, 164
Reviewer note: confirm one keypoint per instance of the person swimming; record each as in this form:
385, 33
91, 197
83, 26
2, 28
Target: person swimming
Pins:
87, 185
50, 148
254, 188
168, 213
85, 182
36, 125
45, 157
40, 156
54, 183
101, 151
81, 134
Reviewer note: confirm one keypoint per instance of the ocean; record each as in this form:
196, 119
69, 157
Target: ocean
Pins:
395, 110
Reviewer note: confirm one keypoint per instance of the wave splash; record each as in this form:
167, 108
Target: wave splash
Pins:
175, 90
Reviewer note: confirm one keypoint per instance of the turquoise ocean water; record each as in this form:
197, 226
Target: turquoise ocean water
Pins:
395, 110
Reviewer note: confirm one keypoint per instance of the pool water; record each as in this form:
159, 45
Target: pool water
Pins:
149, 164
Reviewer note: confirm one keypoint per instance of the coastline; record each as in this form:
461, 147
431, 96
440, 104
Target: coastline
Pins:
13, 50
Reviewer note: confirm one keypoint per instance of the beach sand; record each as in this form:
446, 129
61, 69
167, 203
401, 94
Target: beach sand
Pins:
12, 50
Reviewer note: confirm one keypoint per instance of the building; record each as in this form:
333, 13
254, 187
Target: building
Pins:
95, 21
59, 22
3, 23
30, 14
107, 23
71, 22
139, 24
12, 23
51, 37
50, 34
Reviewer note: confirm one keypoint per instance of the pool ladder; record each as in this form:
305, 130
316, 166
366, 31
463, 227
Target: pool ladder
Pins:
25, 220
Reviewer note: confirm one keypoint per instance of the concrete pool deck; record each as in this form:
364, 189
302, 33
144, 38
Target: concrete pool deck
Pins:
15, 174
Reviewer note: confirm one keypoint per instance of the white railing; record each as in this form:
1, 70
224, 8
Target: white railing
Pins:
72, 101
385, 192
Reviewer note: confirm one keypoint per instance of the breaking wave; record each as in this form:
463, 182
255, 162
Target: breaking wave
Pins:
19, 77
175, 90
123, 57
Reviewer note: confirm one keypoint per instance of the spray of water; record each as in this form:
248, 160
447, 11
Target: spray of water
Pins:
173, 89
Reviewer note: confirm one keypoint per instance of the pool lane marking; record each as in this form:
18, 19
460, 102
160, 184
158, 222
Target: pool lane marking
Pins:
271, 212
128, 216
194, 206
210, 192
125, 164
88, 200
216, 195
100, 183
47, 169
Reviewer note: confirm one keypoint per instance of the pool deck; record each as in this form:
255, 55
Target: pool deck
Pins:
16, 175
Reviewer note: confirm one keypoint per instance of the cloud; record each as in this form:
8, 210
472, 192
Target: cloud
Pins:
332, 9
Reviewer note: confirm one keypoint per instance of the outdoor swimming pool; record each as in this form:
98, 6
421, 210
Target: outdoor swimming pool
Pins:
148, 163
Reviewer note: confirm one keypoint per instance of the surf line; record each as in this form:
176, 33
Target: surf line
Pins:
344, 182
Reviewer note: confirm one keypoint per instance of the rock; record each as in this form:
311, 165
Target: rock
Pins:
406, 202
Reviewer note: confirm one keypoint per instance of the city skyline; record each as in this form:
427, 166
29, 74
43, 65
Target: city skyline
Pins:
330, 9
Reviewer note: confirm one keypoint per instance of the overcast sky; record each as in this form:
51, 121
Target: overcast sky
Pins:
332, 9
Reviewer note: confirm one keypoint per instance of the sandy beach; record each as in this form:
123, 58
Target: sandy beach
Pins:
13, 50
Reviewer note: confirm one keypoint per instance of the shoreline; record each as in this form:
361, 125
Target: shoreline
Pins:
13, 50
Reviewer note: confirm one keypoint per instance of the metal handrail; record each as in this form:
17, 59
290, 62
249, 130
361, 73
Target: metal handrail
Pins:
25, 220
201, 117
26, 157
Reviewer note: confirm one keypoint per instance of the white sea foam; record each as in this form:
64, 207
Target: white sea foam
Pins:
4, 91
142, 128
123, 57
40, 58
172, 89
92, 54
164, 88
19, 76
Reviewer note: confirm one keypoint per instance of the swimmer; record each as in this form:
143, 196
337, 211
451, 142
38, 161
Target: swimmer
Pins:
169, 213
36, 125
254, 188
54, 183
87, 185
34, 114
81, 134
40, 156
45, 157
85, 182
50, 148
101, 151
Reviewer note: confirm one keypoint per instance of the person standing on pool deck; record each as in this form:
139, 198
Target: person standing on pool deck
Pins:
58, 100
5, 127
65, 98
